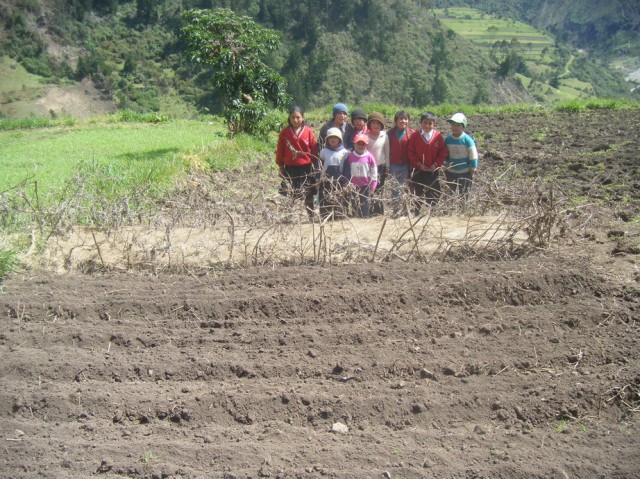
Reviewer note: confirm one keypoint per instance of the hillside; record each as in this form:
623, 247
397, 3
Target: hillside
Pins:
363, 51
609, 30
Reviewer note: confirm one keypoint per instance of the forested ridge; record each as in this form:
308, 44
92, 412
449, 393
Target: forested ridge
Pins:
396, 52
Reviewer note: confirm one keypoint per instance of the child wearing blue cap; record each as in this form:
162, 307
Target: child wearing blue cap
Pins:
340, 114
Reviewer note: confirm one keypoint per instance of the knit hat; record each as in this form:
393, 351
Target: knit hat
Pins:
458, 118
358, 113
339, 107
375, 116
360, 138
334, 132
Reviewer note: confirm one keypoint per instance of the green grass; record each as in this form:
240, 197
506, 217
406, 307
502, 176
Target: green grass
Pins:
18, 89
8, 262
52, 156
15, 78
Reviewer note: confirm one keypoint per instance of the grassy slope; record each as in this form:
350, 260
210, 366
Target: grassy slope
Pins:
18, 89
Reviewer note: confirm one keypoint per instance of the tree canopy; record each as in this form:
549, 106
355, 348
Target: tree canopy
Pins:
234, 46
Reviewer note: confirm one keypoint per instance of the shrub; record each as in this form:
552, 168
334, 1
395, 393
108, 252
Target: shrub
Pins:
8, 262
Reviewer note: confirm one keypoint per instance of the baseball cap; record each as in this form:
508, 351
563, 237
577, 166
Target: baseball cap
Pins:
360, 138
458, 118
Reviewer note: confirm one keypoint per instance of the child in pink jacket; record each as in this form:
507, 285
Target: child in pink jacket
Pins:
362, 172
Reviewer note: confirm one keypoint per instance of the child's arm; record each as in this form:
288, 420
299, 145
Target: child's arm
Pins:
412, 154
386, 151
344, 179
473, 154
280, 152
441, 151
373, 176
320, 165
346, 169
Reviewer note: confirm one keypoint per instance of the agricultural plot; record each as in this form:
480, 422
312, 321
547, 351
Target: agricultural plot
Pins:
486, 30
535, 47
144, 355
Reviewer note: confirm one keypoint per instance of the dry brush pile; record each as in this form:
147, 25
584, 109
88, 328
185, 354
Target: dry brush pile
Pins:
221, 220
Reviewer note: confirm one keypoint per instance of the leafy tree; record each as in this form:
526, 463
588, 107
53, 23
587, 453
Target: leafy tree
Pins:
233, 46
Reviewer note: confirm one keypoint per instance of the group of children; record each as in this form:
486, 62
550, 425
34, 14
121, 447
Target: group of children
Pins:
359, 156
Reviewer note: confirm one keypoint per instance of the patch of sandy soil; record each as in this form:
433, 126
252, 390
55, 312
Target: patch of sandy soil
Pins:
225, 243
81, 100
455, 367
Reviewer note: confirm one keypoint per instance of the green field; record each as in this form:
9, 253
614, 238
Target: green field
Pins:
486, 30
51, 156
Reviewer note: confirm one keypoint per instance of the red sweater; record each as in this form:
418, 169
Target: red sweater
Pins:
429, 154
398, 148
304, 147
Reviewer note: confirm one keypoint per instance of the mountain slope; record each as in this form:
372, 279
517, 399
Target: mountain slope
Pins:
355, 51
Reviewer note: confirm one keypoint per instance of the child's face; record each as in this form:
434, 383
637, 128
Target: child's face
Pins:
358, 123
402, 123
296, 119
427, 125
456, 129
333, 142
340, 118
375, 126
360, 148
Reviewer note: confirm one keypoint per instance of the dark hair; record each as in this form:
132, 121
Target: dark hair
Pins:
401, 114
295, 109
427, 115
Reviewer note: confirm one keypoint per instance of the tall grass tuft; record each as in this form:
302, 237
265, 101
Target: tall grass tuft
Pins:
243, 149
35, 122
8, 262
128, 116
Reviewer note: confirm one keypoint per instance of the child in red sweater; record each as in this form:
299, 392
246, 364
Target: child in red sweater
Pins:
427, 153
297, 158
398, 160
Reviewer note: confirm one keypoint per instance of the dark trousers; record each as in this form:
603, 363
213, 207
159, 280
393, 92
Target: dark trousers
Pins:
377, 203
459, 183
426, 186
360, 201
301, 181
331, 199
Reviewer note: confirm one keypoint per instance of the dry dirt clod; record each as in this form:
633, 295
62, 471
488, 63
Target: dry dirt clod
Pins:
426, 374
339, 428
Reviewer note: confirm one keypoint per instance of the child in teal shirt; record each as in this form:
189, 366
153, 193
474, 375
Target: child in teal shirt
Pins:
462, 156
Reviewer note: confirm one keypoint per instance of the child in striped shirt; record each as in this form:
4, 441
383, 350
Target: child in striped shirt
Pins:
462, 156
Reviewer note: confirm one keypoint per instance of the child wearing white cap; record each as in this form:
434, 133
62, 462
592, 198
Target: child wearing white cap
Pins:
462, 156
330, 178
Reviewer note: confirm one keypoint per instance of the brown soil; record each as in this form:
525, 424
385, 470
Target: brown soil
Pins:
521, 366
